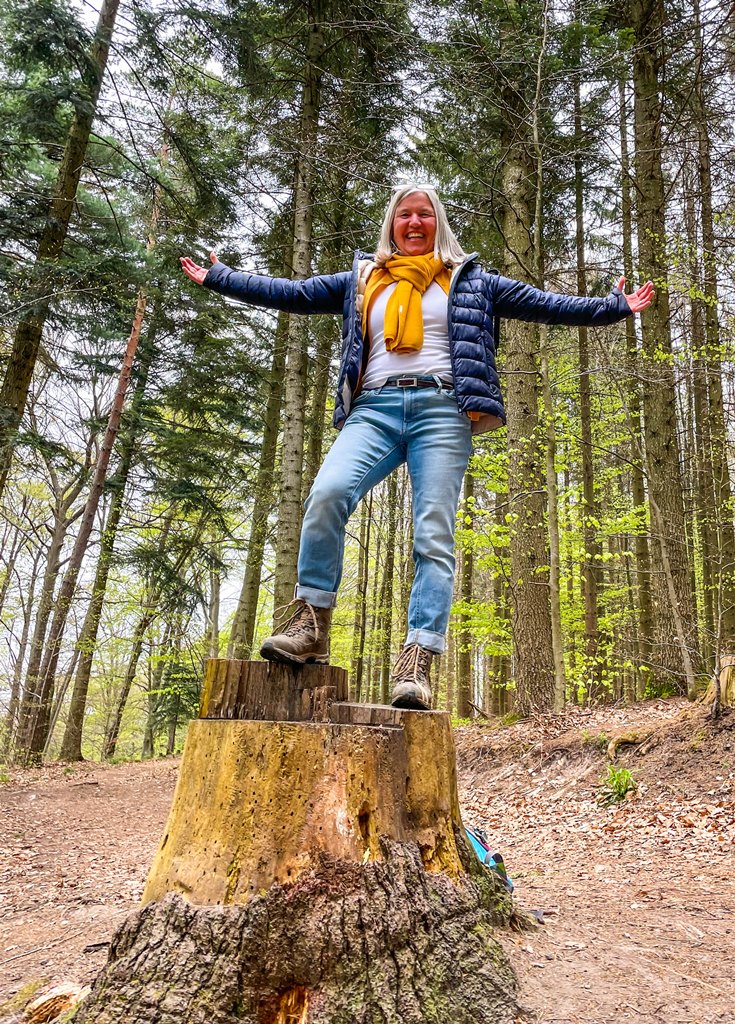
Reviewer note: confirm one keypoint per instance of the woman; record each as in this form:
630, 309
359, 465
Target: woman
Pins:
417, 378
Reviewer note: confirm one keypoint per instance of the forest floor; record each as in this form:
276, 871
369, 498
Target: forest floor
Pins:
638, 899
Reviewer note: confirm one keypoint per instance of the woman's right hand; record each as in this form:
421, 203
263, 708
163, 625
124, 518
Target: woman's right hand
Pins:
193, 271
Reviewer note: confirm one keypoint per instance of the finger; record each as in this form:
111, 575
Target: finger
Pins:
213, 256
621, 283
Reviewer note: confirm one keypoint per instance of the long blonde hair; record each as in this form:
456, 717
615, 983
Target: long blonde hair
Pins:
446, 245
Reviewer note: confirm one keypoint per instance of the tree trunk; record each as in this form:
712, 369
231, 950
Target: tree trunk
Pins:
18, 542
371, 676
450, 662
557, 640
243, 624
327, 339
173, 726
339, 889
155, 678
112, 732
406, 566
71, 744
532, 638
385, 610
37, 299
646, 624
63, 519
290, 508
360, 620
659, 395
589, 511
724, 581
703, 491
59, 698
14, 702
465, 692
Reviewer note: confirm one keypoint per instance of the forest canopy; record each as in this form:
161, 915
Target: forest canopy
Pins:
157, 442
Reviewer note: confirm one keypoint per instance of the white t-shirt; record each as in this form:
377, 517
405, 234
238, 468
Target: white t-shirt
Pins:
432, 360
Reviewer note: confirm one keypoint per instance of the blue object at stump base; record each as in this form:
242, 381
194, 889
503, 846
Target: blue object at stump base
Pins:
494, 861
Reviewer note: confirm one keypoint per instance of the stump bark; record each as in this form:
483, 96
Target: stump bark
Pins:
313, 870
727, 683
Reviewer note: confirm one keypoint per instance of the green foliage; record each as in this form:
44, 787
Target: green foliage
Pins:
616, 786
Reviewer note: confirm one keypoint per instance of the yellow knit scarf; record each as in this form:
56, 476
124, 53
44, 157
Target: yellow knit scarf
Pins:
403, 325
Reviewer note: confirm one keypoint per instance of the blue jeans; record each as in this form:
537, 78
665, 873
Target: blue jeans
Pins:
387, 427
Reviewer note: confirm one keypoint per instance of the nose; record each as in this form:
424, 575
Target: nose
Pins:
414, 221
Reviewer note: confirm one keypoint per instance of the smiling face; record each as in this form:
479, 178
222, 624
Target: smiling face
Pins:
414, 225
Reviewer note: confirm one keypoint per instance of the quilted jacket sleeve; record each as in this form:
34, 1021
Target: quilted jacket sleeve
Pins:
519, 301
321, 294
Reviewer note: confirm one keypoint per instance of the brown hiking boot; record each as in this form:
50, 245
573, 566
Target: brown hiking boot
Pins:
410, 678
303, 640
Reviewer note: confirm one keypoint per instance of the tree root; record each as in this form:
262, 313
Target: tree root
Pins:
381, 943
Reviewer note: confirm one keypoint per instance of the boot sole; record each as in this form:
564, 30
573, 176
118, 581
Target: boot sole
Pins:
407, 703
273, 654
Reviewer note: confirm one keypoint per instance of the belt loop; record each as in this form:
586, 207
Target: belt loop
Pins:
439, 383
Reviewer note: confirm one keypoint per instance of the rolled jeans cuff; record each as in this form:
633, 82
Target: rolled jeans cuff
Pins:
318, 598
434, 642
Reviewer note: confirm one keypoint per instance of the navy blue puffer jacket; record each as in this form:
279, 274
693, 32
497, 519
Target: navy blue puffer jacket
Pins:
476, 301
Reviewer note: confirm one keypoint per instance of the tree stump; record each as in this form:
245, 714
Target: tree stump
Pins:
314, 870
727, 683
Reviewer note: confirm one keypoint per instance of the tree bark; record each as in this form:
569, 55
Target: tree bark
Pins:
529, 585
703, 474
464, 690
292, 459
659, 395
360, 620
557, 639
37, 299
589, 510
646, 625
385, 610
724, 575
243, 624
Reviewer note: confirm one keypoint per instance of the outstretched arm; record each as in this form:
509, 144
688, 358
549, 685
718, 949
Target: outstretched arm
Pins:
520, 301
321, 294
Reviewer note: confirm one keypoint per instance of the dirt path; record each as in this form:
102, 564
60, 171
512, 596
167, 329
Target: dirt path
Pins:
75, 845
639, 901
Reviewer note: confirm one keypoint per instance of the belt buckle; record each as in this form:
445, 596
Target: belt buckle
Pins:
407, 382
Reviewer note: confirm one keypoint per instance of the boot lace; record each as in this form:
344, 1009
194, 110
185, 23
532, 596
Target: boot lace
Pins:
413, 664
302, 622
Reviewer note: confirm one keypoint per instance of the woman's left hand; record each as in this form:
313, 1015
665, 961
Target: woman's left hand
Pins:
641, 298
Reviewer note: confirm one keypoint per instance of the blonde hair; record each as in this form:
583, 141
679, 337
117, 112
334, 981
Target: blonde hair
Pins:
446, 245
